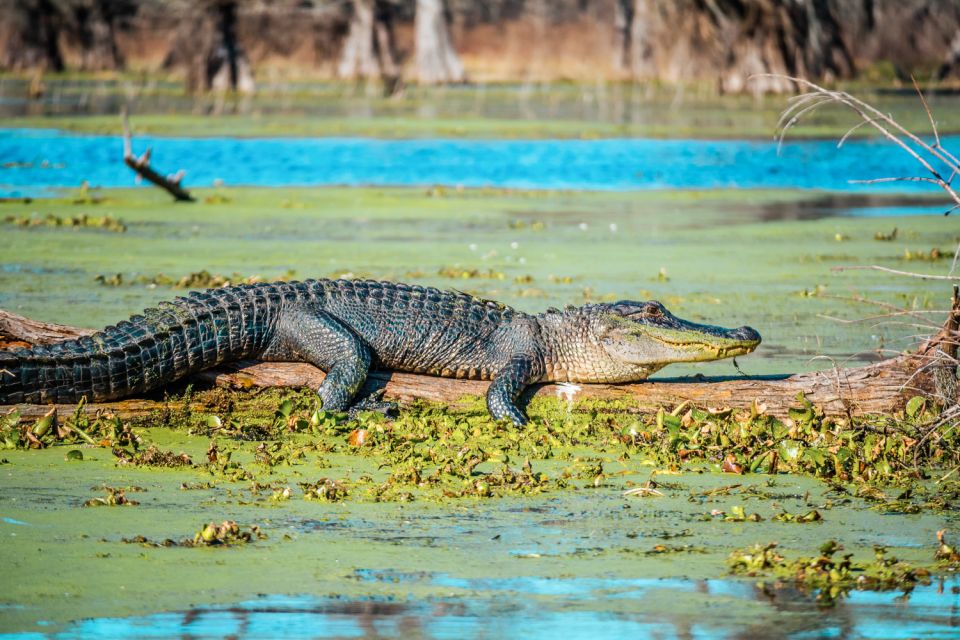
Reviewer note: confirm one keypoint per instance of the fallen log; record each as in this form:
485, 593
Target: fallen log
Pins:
882, 387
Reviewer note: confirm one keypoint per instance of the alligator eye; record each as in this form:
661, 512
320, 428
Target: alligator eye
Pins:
652, 310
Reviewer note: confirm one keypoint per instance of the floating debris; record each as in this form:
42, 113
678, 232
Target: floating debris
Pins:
226, 534
116, 497
107, 223
196, 280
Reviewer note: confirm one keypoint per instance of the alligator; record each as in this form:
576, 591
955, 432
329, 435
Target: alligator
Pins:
347, 327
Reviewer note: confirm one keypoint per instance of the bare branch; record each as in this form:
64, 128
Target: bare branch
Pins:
852, 129
926, 107
922, 276
883, 123
896, 179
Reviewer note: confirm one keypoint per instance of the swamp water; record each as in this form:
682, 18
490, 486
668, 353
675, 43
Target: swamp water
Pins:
581, 561
39, 160
585, 560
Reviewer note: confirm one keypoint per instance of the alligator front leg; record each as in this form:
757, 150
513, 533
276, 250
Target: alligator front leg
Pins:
507, 386
328, 344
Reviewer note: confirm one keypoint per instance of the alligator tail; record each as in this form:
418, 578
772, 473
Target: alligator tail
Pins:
99, 367
137, 355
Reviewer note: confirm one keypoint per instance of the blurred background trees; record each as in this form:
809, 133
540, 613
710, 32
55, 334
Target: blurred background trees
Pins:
225, 44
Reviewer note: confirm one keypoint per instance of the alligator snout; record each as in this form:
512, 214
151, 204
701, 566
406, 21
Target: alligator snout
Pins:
747, 334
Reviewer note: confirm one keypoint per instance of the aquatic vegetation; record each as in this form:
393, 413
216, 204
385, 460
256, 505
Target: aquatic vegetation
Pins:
799, 518
153, 456
432, 453
101, 430
829, 577
325, 490
202, 279
107, 222
116, 497
459, 273
946, 554
933, 255
226, 534
739, 514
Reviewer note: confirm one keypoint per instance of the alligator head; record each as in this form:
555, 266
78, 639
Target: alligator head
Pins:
631, 340
645, 333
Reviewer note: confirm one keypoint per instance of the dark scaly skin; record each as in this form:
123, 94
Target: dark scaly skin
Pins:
347, 328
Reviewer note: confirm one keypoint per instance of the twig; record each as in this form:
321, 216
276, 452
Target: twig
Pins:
852, 129
926, 107
922, 276
896, 179
141, 165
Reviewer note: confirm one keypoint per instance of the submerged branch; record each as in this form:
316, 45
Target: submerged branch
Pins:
141, 165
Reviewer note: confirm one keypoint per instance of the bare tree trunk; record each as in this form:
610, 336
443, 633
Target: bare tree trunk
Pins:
368, 52
437, 61
644, 22
208, 48
623, 30
951, 61
737, 42
30, 34
228, 67
93, 31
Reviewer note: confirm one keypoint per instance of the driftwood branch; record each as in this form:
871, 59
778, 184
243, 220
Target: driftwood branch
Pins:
883, 387
141, 165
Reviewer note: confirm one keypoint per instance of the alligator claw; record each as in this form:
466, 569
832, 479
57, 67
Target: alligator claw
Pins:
373, 402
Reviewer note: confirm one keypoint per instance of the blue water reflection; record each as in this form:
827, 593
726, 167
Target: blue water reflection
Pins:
536, 608
33, 161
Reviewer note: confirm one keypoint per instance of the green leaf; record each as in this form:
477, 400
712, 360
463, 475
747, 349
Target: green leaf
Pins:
285, 408
42, 426
790, 450
915, 406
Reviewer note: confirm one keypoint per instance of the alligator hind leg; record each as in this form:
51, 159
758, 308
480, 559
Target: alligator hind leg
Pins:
328, 344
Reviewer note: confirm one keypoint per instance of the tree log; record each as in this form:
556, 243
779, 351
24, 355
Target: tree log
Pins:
368, 51
878, 388
437, 61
